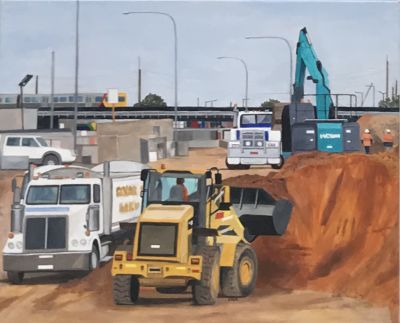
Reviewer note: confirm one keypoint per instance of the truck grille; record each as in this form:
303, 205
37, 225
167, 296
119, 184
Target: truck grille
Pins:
158, 239
253, 140
43, 233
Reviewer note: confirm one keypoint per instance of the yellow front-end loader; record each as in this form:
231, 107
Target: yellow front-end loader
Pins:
195, 232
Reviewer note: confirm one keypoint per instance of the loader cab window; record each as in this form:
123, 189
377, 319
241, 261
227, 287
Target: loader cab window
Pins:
173, 188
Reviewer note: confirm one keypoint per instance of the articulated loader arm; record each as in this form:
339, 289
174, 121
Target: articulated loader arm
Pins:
259, 212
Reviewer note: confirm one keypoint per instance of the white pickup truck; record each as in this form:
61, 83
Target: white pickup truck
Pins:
35, 148
70, 218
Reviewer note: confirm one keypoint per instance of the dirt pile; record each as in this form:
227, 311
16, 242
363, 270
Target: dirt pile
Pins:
343, 235
378, 123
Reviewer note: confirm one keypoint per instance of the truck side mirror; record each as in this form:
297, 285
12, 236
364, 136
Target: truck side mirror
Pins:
93, 218
218, 179
143, 174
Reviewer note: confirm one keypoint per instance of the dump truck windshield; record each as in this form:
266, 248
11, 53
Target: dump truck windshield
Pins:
173, 188
53, 194
255, 120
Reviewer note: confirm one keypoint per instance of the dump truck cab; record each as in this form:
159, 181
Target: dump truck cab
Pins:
189, 233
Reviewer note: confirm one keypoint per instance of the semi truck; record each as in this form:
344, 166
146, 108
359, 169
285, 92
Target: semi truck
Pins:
253, 142
196, 232
70, 218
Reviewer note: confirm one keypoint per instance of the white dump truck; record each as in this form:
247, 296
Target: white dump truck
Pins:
70, 218
253, 142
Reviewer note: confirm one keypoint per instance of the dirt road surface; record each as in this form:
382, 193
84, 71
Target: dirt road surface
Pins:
65, 298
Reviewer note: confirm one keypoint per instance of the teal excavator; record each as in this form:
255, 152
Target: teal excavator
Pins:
309, 128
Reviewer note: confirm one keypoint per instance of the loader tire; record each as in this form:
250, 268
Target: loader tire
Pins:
205, 291
15, 277
240, 279
125, 289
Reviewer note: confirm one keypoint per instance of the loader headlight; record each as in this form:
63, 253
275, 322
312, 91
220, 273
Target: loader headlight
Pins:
11, 245
74, 243
260, 143
83, 242
247, 143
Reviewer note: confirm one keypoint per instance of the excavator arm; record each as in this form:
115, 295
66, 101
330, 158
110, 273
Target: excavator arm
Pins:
307, 60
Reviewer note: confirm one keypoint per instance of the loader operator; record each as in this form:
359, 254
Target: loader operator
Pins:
179, 192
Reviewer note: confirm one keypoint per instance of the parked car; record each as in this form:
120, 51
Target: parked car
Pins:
36, 149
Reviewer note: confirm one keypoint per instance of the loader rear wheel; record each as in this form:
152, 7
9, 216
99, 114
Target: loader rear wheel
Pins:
125, 289
240, 279
205, 291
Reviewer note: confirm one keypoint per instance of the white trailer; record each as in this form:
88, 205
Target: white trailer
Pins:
253, 142
70, 218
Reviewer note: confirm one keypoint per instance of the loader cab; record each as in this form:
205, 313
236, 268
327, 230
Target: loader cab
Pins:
180, 188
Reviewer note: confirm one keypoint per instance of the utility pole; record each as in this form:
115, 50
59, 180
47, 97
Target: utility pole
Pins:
139, 81
198, 102
387, 77
53, 60
75, 132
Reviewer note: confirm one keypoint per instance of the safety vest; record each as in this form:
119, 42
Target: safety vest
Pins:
388, 137
367, 139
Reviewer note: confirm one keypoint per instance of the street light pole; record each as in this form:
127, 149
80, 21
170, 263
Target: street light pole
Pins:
76, 75
247, 75
175, 51
290, 57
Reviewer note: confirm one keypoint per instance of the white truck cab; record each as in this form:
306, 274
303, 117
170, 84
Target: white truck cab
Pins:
69, 218
36, 149
253, 142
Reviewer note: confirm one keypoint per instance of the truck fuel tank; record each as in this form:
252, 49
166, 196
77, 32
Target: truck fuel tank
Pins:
259, 212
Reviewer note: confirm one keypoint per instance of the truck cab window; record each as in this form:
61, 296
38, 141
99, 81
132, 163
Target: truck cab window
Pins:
13, 141
29, 142
42, 195
96, 193
75, 194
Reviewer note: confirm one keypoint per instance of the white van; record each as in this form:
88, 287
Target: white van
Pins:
36, 149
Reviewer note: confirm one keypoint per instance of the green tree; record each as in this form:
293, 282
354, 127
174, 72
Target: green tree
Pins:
269, 104
390, 102
151, 100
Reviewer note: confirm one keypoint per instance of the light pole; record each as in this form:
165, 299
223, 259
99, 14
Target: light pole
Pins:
247, 75
21, 85
290, 57
175, 51
383, 95
210, 101
362, 96
76, 75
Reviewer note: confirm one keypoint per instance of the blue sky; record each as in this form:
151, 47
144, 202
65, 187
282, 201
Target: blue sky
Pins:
351, 39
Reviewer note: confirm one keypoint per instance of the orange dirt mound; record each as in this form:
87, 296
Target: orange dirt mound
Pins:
343, 234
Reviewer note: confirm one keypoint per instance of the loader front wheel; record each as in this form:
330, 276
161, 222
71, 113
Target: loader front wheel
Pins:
240, 279
205, 291
125, 289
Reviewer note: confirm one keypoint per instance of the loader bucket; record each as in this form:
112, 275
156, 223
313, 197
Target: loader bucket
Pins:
259, 212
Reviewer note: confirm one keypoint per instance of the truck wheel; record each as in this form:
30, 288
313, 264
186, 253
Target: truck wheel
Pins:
205, 291
171, 290
125, 289
94, 260
279, 166
15, 277
240, 279
51, 160
230, 166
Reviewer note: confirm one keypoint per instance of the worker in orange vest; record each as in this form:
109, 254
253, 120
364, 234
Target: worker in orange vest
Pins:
388, 139
366, 140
